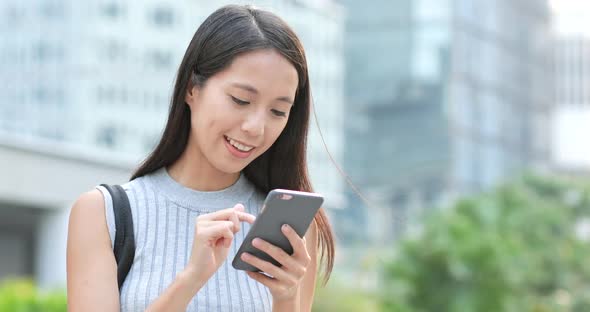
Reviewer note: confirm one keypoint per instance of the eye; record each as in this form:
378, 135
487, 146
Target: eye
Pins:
278, 113
238, 101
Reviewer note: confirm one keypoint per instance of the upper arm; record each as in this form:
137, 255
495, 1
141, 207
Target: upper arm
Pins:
91, 266
307, 290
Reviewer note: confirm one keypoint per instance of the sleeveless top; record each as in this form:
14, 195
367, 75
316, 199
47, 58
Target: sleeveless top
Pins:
164, 214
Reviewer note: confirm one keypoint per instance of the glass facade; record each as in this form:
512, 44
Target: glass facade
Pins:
572, 87
99, 75
451, 97
501, 91
572, 70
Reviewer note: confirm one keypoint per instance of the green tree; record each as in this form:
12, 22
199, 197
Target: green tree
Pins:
520, 248
22, 296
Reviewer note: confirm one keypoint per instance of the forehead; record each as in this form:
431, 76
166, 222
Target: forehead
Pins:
266, 70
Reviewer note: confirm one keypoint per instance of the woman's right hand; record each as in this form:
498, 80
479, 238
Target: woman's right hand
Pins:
214, 234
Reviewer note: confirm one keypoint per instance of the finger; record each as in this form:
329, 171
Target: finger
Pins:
217, 215
206, 223
242, 215
225, 238
265, 266
236, 221
227, 242
215, 226
246, 217
212, 231
276, 252
264, 279
298, 243
225, 215
240, 207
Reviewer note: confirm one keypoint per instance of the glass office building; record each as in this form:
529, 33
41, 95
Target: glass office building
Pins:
450, 97
100, 74
572, 87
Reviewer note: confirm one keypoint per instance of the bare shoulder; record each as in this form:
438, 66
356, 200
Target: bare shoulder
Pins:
87, 217
89, 203
91, 266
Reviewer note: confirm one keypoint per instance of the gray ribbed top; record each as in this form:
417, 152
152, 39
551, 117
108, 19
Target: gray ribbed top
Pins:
164, 214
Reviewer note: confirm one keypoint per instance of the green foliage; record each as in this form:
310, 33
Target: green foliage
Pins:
515, 249
337, 296
23, 296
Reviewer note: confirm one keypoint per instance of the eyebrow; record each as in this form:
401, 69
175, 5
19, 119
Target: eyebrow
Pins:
251, 89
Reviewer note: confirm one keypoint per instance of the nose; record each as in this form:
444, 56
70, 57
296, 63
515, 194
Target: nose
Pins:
253, 124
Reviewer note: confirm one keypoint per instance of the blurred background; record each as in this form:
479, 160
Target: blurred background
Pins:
463, 124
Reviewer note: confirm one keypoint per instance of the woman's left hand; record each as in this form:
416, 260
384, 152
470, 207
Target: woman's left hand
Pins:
285, 280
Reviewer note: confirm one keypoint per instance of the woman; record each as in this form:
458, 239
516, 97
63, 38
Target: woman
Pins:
236, 129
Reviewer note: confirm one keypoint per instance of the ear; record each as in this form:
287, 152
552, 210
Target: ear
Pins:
191, 95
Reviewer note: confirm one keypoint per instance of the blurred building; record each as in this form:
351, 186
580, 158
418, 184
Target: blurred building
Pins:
572, 86
449, 97
96, 74
39, 182
572, 70
90, 82
107, 84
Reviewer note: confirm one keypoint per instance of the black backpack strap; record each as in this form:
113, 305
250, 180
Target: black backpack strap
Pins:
124, 246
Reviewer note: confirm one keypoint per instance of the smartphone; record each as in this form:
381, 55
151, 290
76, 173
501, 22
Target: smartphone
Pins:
294, 208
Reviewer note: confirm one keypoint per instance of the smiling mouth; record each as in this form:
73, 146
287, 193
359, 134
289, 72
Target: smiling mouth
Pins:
239, 146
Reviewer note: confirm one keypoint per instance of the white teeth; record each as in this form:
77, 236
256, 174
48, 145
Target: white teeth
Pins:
239, 146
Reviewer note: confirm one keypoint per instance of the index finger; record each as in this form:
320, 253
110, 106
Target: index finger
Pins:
246, 217
243, 216
227, 214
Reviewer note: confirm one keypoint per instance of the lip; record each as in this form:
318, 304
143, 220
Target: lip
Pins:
227, 136
235, 152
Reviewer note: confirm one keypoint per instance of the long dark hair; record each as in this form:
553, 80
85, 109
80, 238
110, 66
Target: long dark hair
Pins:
226, 33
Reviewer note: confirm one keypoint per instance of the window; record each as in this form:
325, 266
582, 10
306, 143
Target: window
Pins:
163, 17
115, 50
14, 14
41, 51
52, 10
107, 136
112, 10
161, 59
41, 95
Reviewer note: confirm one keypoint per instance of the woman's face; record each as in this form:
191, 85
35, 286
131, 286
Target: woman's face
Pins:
241, 111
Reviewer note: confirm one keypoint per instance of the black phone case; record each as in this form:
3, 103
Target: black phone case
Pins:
280, 207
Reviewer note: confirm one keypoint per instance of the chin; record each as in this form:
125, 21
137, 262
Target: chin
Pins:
231, 168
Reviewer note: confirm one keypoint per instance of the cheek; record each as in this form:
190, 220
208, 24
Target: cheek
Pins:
274, 133
202, 132
204, 124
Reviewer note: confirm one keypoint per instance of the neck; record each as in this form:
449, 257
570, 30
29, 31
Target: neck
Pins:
192, 170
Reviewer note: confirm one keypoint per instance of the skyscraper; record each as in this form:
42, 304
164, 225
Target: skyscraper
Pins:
446, 98
100, 74
572, 86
